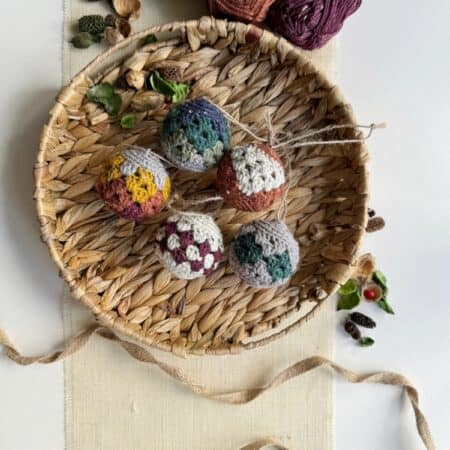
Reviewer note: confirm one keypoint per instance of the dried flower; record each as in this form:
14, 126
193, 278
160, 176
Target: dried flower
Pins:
362, 320
131, 9
352, 330
94, 24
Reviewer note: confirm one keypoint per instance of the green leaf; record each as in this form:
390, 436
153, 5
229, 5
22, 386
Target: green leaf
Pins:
100, 92
128, 121
349, 301
113, 104
150, 39
385, 306
366, 342
176, 91
349, 287
380, 279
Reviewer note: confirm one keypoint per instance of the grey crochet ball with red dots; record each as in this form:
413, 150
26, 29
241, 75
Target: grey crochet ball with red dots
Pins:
190, 245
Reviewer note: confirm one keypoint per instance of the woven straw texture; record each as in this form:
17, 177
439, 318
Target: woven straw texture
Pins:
110, 263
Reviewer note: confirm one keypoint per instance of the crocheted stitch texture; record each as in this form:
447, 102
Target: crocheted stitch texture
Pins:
195, 135
251, 177
264, 254
134, 184
190, 245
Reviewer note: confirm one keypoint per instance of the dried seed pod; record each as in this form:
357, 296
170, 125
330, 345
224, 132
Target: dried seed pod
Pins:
124, 27
362, 320
113, 35
365, 267
375, 224
170, 73
127, 8
372, 292
110, 20
352, 330
147, 101
135, 79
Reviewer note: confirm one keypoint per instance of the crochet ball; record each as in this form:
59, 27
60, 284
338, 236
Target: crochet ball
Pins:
134, 184
195, 135
251, 178
190, 245
310, 24
253, 11
264, 254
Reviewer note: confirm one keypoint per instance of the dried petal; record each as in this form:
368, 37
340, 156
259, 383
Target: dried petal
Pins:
113, 36
365, 267
130, 9
135, 79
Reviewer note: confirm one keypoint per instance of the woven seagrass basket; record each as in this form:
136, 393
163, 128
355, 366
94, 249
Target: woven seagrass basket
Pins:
110, 263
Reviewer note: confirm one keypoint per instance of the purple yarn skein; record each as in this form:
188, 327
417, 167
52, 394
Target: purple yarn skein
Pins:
310, 24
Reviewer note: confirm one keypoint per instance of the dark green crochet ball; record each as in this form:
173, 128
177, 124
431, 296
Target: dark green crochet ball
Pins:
195, 135
264, 254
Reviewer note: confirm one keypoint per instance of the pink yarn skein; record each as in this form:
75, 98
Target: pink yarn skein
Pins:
310, 24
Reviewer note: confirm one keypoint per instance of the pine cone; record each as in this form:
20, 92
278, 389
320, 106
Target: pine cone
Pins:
352, 330
362, 320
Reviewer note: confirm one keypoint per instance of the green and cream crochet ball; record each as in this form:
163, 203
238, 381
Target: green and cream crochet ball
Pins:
195, 135
264, 254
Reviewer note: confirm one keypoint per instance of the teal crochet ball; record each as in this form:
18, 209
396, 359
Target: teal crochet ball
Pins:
264, 254
195, 135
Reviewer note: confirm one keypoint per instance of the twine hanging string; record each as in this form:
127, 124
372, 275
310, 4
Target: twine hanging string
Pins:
234, 397
299, 141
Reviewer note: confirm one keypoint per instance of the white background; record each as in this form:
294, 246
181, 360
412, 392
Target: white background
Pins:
394, 67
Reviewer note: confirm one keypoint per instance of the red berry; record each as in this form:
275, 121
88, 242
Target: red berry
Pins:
369, 294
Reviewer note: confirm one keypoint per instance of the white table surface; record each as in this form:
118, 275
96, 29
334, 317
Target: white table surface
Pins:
394, 67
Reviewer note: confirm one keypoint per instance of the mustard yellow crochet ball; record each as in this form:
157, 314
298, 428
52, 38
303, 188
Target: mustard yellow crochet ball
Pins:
135, 184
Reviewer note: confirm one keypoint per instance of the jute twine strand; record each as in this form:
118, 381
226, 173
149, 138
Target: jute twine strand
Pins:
235, 397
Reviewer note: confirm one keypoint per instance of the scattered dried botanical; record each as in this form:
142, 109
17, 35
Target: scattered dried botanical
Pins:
135, 79
130, 9
352, 330
147, 101
113, 36
362, 320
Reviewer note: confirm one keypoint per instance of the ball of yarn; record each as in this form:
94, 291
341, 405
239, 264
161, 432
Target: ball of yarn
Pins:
134, 184
195, 135
248, 11
310, 24
190, 245
264, 254
251, 177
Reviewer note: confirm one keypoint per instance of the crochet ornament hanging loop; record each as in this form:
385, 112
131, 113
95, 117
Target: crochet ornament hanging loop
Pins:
298, 140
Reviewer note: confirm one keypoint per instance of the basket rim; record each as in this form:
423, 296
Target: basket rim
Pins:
246, 33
